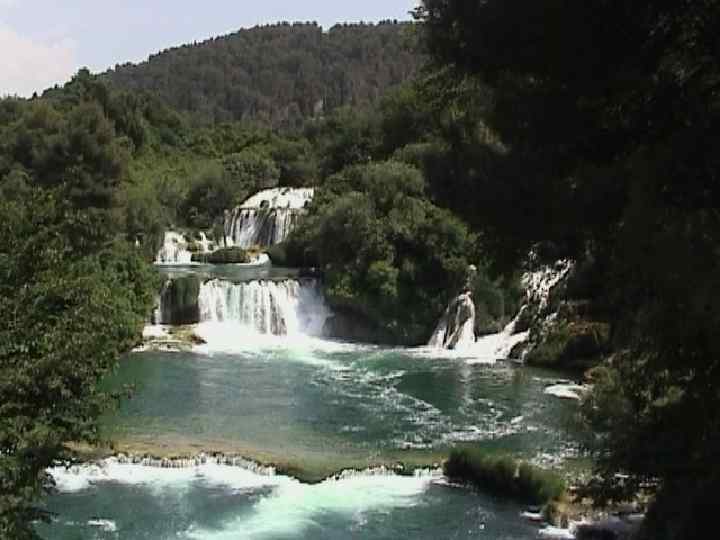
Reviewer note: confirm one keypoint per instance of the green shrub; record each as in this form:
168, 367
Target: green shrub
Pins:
504, 476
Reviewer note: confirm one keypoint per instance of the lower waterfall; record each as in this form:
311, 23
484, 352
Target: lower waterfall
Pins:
282, 308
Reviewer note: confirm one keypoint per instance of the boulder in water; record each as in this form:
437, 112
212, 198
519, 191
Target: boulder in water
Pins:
179, 301
457, 325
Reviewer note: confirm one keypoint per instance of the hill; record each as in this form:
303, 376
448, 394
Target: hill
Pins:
278, 75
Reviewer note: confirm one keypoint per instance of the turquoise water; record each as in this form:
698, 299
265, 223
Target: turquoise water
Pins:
236, 508
348, 404
313, 408
316, 407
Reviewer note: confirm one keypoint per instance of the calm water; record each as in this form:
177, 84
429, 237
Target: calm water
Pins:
316, 407
319, 403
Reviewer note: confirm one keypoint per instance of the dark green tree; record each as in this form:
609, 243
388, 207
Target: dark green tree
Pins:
608, 114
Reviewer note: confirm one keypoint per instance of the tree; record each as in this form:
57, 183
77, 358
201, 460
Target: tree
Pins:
251, 168
71, 308
609, 115
396, 257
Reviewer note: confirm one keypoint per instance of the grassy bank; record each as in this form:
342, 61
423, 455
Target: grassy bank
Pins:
504, 476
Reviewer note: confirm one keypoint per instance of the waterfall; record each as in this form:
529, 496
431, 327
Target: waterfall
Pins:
176, 250
456, 329
287, 307
266, 218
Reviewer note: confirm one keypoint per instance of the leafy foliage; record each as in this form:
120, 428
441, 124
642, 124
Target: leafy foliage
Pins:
502, 475
71, 307
396, 257
608, 112
278, 75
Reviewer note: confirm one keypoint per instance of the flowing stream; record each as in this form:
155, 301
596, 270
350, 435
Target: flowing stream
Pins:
266, 387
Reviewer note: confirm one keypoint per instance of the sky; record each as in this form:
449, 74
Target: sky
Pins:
44, 42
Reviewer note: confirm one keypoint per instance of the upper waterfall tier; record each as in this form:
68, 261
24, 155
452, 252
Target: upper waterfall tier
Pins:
266, 218
175, 248
288, 307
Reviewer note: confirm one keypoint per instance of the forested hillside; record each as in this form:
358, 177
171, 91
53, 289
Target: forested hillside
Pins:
277, 75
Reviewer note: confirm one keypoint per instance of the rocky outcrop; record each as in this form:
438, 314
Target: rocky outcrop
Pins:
566, 329
224, 256
457, 325
179, 301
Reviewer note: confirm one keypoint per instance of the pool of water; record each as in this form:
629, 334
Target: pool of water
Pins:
313, 407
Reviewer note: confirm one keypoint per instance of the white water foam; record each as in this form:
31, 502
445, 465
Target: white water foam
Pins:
228, 337
289, 509
289, 307
292, 507
266, 218
82, 477
174, 250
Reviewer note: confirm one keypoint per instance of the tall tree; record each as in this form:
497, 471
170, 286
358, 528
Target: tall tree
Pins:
608, 111
70, 309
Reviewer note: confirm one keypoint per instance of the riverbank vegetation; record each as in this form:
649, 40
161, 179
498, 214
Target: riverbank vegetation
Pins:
74, 294
583, 131
504, 476
609, 118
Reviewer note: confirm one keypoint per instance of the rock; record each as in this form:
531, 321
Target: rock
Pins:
232, 255
457, 325
348, 326
179, 301
569, 345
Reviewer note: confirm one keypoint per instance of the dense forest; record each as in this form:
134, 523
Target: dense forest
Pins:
278, 75
586, 131
608, 114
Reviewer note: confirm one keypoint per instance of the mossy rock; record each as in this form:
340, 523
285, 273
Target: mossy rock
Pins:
571, 345
180, 301
233, 255
504, 476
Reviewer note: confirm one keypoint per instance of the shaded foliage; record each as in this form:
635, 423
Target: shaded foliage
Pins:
504, 476
609, 114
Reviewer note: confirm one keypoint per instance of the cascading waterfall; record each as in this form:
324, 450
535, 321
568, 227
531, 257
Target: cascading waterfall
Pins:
266, 218
175, 248
456, 329
283, 308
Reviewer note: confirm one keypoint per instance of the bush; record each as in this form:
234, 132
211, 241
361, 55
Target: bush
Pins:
502, 475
